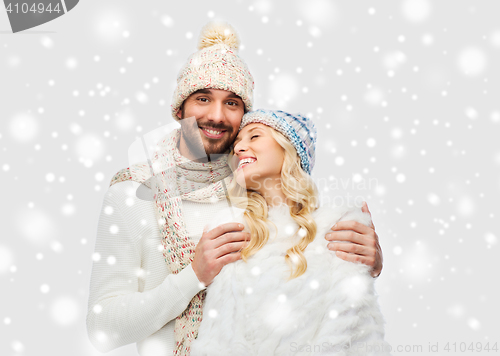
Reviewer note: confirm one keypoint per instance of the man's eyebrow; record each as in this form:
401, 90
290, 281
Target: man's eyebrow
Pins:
208, 91
233, 95
203, 91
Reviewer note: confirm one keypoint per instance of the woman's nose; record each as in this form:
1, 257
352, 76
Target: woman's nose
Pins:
240, 147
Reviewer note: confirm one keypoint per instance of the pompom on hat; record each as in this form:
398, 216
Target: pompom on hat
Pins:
216, 65
299, 130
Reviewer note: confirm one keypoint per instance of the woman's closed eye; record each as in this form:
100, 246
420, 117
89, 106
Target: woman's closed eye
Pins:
251, 138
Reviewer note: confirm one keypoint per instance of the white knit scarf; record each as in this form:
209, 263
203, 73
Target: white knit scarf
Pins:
173, 178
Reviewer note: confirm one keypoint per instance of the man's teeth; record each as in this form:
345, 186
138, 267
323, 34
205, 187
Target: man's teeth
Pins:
213, 132
246, 161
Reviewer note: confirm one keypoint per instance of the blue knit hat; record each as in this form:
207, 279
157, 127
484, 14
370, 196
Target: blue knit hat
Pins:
299, 130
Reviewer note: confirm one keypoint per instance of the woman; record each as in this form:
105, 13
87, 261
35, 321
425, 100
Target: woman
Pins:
288, 294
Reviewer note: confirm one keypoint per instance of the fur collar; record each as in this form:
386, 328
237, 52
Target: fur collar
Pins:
251, 308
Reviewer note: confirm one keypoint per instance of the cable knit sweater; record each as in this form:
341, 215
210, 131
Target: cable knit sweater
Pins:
332, 309
133, 297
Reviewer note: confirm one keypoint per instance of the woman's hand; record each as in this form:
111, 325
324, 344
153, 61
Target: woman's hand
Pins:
361, 243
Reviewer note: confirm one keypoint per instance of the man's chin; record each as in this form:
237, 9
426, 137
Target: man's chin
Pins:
215, 149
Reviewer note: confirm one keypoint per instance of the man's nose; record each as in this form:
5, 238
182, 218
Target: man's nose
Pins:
216, 113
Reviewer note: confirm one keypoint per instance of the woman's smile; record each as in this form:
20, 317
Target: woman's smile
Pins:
245, 161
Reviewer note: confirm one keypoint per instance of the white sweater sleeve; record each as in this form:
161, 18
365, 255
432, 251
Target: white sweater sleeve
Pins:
118, 313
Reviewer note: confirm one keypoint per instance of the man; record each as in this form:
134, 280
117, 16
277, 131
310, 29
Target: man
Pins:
138, 295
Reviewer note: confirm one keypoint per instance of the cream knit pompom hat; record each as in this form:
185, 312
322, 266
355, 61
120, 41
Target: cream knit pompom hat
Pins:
216, 65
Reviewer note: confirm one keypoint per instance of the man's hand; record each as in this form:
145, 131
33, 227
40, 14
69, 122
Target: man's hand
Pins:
361, 243
217, 248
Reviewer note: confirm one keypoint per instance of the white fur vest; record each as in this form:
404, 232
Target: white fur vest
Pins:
332, 309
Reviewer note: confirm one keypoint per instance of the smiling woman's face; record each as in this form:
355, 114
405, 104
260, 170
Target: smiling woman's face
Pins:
259, 157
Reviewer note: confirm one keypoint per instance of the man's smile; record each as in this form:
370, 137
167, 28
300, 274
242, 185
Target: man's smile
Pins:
212, 133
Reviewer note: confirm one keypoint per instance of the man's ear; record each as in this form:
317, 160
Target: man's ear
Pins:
179, 113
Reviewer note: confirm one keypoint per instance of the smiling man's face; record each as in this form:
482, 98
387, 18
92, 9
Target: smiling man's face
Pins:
218, 115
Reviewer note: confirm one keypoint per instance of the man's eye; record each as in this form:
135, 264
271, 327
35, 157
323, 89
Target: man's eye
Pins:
233, 103
202, 99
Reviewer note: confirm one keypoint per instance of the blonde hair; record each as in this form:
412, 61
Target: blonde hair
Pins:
301, 194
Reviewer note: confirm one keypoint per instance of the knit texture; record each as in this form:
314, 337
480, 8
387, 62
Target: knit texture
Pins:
216, 65
299, 130
136, 300
174, 178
